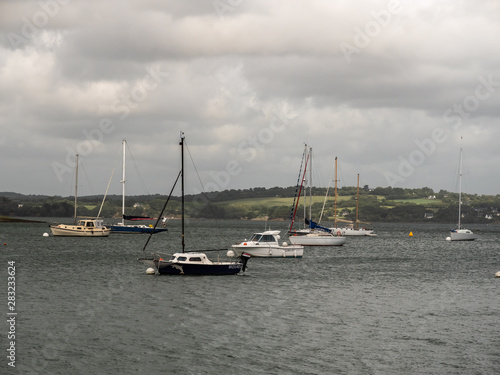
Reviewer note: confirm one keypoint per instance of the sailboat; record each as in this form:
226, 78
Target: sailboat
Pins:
315, 235
353, 229
131, 228
89, 227
193, 262
460, 234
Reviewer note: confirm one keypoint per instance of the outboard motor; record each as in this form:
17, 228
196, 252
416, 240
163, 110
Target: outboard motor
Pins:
244, 259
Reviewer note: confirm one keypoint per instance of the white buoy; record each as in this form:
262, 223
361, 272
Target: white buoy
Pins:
150, 271
230, 253
46, 234
497, 274
448, 238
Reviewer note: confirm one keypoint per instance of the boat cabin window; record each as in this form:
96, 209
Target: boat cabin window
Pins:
195, 259
255, 237
262, 238
90, 224
182, 259
267, 238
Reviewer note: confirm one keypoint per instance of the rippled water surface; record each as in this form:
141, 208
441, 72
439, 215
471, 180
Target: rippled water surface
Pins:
392, 304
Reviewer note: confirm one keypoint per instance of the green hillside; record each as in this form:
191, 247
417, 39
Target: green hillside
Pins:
421, 201
277, 201
379, 204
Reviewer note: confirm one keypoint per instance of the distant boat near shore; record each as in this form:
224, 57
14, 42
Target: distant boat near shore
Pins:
315, 235
132, 228
7, 219
351, 229
87, 227
459, 233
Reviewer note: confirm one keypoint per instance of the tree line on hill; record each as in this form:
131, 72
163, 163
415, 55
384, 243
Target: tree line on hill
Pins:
379, 204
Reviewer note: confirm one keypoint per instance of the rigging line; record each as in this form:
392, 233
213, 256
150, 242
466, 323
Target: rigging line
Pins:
298, 196
456, 174
203, 193
109, 183
163, 209
69, 189
318, 177
203, 250
326, 195
298, 183
106, 193
141, 180
466, 180
118, 158
466, 175
87, 178
339, 170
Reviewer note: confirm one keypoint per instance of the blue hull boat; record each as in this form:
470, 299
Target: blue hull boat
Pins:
123, 228
198, 264
189, 262
133, 229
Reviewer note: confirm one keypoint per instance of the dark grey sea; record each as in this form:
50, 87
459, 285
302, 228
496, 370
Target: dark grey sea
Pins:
392, 304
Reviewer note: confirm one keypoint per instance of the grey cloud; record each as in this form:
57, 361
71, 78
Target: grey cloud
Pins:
229, 78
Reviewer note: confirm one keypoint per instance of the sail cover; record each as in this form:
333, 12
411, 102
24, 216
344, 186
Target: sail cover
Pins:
129, 217
314, 225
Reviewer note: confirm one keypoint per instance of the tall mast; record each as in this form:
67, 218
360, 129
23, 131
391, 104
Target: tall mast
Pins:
305, 182
124, 142
310, 183
357, 204
182, 190
335, 217
460, 185
76, 185
300, 189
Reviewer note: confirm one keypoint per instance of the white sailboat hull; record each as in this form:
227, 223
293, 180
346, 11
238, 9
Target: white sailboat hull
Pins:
462, 235
317, 240
263, 251
353, 232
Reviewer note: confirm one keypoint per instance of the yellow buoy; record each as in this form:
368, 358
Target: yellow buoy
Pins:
411, 234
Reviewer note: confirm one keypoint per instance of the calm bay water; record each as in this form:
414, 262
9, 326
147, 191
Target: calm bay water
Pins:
392, 304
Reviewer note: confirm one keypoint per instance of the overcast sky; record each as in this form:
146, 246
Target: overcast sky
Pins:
389, 87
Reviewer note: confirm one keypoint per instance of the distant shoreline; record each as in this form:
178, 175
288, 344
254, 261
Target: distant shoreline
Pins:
6, 219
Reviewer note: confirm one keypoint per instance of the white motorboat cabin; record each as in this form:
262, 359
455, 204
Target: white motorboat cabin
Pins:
195, 258
268, 236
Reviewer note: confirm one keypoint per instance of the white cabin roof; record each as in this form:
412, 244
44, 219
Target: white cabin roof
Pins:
271, 232
192, 257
